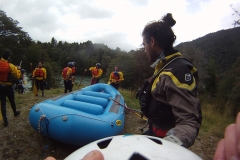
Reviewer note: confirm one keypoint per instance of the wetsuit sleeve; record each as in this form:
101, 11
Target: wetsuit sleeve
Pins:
120, 76
45, 73
186, 110
14, 71
110, 78
33, 74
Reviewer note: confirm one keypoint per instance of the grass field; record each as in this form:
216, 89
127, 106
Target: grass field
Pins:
20, 141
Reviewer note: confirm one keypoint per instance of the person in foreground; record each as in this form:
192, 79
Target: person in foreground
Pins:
116, 77
8, 75
229, 146
169, 97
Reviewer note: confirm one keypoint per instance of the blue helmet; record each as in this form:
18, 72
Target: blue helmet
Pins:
70, 64
23, 70
98, 64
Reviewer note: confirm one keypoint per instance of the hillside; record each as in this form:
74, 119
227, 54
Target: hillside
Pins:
222, 46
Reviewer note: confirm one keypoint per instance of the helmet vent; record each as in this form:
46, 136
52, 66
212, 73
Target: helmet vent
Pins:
103, 144
137, 156
155, 140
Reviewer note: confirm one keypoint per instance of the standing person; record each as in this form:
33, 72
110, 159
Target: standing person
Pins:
19, 84
170, 101
116, 77
67, 77
96, 73
40, 75
74, 70
8, 74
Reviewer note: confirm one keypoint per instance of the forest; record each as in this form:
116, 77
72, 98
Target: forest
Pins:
215, 55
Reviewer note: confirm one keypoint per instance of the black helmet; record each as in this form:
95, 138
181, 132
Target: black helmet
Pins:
23, 70
98, 64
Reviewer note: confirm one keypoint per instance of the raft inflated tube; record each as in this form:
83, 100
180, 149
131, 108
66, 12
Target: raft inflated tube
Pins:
84, 107
94, 100
97, 94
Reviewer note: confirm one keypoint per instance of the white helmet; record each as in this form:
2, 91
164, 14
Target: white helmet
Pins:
131, 147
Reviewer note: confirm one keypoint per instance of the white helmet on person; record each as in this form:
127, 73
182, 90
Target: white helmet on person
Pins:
135, 147
98, 64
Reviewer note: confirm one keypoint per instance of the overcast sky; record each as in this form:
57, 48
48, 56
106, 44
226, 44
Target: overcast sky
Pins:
117, 23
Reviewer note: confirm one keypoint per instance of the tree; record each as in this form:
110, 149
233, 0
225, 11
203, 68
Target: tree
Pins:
10, 33
210, 80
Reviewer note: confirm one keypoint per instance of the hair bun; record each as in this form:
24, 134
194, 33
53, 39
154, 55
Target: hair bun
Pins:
168, 19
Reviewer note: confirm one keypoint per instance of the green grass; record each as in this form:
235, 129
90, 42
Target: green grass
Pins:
211, 131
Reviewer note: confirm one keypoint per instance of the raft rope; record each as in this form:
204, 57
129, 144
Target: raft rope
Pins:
131, 110
43, 120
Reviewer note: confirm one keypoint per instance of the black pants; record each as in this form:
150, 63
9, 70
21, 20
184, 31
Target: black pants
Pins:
7, 91
67, 86
116, 86
94, 81
20, 88
39, 84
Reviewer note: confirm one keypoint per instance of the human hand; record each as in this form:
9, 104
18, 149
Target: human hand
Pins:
94, 155
229, 147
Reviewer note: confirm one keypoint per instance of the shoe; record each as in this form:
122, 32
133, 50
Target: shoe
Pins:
16, 113
5, 123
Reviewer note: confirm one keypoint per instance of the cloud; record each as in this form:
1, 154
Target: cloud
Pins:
117, 23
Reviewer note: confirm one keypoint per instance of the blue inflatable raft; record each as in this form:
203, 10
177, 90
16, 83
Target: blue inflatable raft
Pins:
80, 117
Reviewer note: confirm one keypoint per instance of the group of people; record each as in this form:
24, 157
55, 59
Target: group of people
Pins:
115, 78
168, 98
11, 77
69, 72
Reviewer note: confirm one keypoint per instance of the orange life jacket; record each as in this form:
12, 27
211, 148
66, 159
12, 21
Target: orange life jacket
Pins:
95, 72
115, 75
39, 72
4, 71
73, 70
64, 72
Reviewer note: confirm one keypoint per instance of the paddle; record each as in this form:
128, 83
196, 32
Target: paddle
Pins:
144, 118
85, 70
